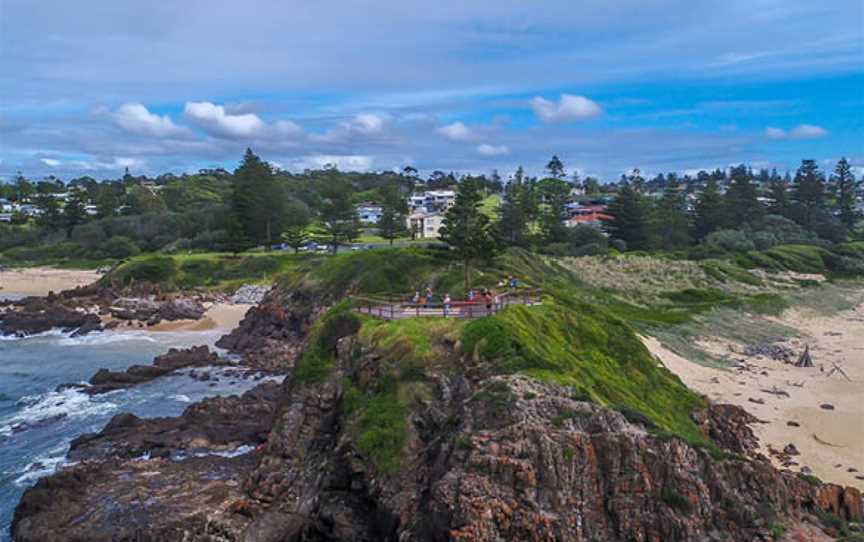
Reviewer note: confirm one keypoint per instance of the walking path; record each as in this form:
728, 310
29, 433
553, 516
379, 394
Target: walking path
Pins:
390, 309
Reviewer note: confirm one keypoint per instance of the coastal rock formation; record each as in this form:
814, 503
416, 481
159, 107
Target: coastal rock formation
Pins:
356, 445
271, 334
197, 356
215, 423
38, 315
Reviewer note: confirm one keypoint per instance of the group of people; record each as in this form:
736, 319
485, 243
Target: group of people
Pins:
484, 295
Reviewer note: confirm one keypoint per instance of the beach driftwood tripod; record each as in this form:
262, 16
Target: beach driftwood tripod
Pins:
804, 360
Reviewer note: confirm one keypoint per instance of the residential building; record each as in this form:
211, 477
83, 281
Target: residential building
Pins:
425, 225
369, 213
432, 201
591, 214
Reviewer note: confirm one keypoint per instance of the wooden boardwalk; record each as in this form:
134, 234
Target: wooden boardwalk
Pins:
390, 309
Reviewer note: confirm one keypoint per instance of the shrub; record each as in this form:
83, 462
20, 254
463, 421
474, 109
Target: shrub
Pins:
155, 269
120, 247
730, 240
675, 500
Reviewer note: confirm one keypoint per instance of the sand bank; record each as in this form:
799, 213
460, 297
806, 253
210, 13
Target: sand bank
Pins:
224, 316
41, 280
830, 440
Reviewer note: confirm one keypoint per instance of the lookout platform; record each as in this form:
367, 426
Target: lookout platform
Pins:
395, 309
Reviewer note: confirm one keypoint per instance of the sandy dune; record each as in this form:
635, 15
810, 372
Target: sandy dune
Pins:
830, 441
41, 280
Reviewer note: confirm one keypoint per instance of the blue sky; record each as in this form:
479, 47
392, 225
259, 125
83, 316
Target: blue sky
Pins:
93, 86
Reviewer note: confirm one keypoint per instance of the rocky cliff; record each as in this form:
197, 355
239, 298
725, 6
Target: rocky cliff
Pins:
432, 433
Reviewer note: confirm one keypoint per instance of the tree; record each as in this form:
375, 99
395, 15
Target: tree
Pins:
780, 204
50, 215
592, 186
708, 214
554, 194
671, 223
742, 198
467, 230
845, 186
339, 222
556, 168
258, 201
808, 193
512, 226
392, 223
628, 218
75, 212
295, 237
636, 181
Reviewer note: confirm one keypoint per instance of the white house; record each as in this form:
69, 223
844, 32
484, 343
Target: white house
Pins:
433, 201
369, 213
425, 225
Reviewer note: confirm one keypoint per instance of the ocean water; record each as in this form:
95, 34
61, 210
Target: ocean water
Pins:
37, 423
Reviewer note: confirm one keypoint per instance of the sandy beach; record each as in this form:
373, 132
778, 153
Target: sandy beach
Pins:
225, 316
41, 280
827, 407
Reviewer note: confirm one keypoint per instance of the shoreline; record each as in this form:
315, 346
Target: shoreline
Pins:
39, 281
816, 409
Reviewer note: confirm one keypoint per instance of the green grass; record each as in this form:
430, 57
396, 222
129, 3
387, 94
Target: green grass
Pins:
318, 359
595, 353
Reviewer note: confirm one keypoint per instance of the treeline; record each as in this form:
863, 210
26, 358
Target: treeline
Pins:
215, 209
739, 213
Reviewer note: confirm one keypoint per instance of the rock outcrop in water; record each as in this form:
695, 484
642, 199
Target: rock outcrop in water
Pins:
476, 455
105, 381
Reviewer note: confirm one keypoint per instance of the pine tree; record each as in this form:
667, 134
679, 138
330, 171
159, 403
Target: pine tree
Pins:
339, 223
780, 204
512, 226
628, 218
258, 202
556, 168
808, 193
392, 224
709, 212
467, 230
845, 186
50, 215
671, 223
742, 198
552, 214
296, 236
75, 212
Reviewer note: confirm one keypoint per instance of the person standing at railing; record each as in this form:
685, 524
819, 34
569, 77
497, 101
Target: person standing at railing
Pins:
489, 300
429, 297
447, 302
416, 299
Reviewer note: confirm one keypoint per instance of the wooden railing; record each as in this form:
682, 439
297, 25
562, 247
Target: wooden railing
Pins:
394, 309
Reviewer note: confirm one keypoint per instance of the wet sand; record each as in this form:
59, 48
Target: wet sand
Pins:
830, 441
225, 316
41, 280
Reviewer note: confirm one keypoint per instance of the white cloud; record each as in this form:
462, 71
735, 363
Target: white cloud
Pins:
568, 109
113, 164
493, 150
456, 131
802, 131
775, 133
134, 117
287, 128
353, 162
214, 120
366, 124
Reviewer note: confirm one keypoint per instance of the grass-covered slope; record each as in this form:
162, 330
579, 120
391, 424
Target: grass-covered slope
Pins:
595, 353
